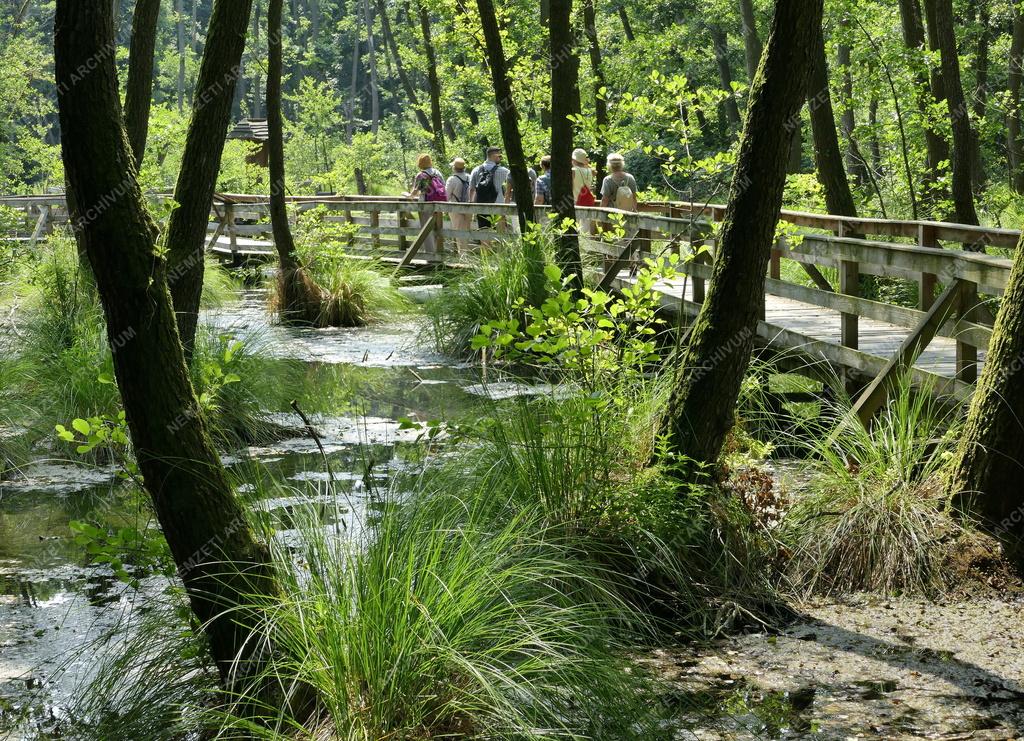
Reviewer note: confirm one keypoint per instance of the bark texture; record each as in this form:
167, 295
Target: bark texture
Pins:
200, 517
200, 162
701, 406
139, 88
989, 467
961, 164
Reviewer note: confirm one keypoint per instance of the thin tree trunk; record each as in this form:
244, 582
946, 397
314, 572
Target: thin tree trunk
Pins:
403, 75
941, 12
855, 163
875, 142
508, 115
200, 162
828, 157
139, 88
283, 240
257, 92
564, 79
222, 565
627, 27
928, 88
981, 65
721, 47
433, 82
702, 403
179, 18
989, 463
752, 47
600, 85
371, 53
1014, 142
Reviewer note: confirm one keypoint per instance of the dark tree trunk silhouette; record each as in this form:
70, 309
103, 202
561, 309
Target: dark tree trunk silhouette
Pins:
403, 75
981, 65
597, 68
508, 115
989, 464
627, 27
928, 88
941, 13
752, 47
719, 42
433, 83
200, 162
256, 108
855, 163
179, 18
828, 156
139, 88
219, 560
1014, 142
564, 76
701, 406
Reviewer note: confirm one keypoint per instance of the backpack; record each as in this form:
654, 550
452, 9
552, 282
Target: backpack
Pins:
486, 190
461, 198
434, 188
585, 197
623, 194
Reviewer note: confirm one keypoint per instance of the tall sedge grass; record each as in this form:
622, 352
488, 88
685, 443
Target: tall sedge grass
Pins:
872, 513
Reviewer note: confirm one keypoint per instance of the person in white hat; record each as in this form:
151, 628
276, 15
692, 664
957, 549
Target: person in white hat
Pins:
582, 185
457, 188
619, 187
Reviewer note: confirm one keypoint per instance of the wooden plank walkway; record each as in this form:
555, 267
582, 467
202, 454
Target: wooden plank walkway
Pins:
941, 341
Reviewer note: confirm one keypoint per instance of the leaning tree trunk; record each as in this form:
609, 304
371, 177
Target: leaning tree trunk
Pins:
508, 115
403, 76
627, 27
721, 48
927, 91
1014, 142
989, 463
219, 560
941, 12
702, 403
200, 163
564, 79
433, 82
600, 86
828, 156
179, 17
139, 88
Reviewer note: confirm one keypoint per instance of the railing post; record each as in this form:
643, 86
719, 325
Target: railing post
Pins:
229, 219
700, 258
438, 218
926, 237
849, 283
375, 228
967, 355
403, 222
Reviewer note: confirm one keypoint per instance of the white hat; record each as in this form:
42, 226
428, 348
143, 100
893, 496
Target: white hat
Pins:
580, 155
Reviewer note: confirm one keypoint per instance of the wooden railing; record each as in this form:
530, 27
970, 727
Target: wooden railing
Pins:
818, 265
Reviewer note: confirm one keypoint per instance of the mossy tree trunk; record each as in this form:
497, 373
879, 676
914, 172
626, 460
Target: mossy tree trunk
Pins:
989, 464
219, 560
200, 162
564, 80
702, 403
139, 88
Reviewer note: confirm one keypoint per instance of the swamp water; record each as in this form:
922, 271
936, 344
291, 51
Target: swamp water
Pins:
354, 384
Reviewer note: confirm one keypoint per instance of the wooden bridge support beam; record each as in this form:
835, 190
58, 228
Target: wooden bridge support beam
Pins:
927, 237
967, 354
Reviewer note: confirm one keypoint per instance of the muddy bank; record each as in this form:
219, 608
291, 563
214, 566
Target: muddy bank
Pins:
865, 667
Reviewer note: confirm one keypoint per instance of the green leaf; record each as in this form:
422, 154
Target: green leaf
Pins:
81, 426
64, 434
105, 378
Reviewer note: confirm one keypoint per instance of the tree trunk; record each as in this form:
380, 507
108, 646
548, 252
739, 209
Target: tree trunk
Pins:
564, 79
721, 46
255, 110
941, 12
928, 88
627, 27
371, 53
200, 162
828, 157
139, 88
508, 115
179, 18
283, 241
875, 142
403, 75
988, 469
752, 47
1014, 142
855, 163
701, 407
433, 83
600, 86
981, 65
219, 560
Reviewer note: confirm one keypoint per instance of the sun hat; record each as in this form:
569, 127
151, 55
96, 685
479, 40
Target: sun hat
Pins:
458, 164
580, 155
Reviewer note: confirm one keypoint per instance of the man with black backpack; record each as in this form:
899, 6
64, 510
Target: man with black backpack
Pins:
487, 185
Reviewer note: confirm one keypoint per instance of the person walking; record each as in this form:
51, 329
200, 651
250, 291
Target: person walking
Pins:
542, 188
583, 186
428, 187
619, 187
458, 188
487, 185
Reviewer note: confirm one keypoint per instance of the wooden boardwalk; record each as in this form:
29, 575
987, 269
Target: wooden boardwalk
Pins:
812, 315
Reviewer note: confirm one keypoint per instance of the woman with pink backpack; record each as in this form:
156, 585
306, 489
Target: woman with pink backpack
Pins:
428, 187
